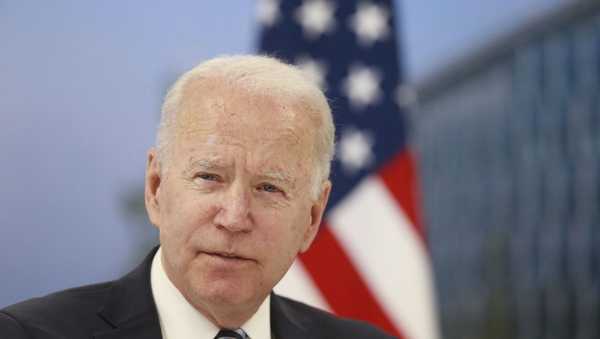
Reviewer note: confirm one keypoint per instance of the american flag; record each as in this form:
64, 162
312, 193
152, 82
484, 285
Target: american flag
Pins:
370, 258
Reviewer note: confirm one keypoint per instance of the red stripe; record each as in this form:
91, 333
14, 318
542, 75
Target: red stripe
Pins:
341, 284
400, 177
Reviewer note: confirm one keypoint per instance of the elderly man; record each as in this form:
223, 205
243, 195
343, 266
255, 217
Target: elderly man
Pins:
237, 186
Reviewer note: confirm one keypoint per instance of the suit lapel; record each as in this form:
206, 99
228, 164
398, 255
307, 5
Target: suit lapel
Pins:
129, 309
287, 323
147, 329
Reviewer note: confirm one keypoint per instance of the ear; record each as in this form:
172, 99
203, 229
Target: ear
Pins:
316, 214
152, 187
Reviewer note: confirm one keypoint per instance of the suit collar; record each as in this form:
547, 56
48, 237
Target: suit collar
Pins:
286, 322
130, 308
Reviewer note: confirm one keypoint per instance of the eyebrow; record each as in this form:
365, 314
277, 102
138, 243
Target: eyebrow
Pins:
216, 163
205, 163
277, 176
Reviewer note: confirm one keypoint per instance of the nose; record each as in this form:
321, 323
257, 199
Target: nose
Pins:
234, 211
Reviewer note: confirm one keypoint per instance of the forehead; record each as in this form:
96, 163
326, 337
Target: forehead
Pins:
215, 105
213, 113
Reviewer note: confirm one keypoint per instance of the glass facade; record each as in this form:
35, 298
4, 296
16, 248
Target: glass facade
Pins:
509, 158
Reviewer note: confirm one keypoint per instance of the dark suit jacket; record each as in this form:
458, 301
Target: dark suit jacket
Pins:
125, 308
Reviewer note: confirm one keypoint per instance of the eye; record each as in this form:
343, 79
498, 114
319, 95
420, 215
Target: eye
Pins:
208, 176
269, 188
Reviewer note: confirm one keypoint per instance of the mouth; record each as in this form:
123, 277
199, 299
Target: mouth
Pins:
227, 256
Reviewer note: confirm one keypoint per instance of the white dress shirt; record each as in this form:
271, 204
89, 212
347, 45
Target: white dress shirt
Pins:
180, 320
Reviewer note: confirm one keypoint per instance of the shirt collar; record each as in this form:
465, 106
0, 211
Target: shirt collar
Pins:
180, 320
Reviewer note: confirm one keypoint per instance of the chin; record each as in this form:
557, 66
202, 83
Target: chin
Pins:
224, 291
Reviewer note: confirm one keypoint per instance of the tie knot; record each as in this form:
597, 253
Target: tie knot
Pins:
231, 334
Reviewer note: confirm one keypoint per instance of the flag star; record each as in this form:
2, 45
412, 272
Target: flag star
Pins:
314, 70
370, 23
355, 150
268, 12
315, 17
362, 86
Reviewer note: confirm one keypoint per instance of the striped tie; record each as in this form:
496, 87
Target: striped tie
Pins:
231, 334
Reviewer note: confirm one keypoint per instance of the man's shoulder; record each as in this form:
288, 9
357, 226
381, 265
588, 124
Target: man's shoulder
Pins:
69, 301
68, 311
330, 324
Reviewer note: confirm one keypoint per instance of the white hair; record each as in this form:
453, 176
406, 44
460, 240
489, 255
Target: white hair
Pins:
261, 75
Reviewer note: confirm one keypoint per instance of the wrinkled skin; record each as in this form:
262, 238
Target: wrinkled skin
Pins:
233, 204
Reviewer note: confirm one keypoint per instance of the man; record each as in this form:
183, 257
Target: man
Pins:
237, 186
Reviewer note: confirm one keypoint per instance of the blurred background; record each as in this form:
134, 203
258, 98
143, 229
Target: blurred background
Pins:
503, 99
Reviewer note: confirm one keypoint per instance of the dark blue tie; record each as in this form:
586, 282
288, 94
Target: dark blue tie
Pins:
229, 334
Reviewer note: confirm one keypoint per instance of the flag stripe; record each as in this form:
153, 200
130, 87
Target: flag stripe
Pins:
382, 244
341, 284
400, 177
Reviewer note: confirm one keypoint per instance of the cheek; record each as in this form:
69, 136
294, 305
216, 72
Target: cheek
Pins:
184, 214
281, 233
184, 219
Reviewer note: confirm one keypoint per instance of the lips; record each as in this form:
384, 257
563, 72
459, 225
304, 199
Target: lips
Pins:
227, 256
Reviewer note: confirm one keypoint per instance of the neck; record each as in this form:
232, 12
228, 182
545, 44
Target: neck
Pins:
227, 317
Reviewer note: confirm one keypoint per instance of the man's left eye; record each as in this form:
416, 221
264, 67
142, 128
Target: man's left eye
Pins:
269, 188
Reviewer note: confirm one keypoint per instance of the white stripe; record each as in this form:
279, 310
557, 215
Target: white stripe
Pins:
391, 257
298, 285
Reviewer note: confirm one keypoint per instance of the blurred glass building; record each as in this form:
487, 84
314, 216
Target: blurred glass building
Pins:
509, 148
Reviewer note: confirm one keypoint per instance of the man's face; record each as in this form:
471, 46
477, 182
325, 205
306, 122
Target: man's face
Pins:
234, 206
